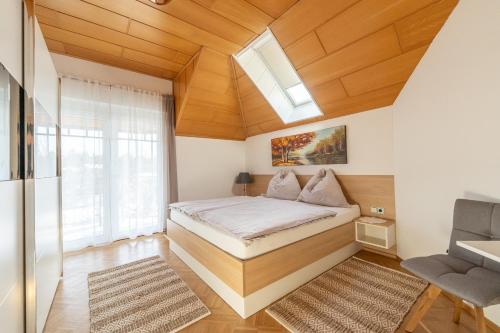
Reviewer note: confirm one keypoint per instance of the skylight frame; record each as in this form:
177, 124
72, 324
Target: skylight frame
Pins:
297, 108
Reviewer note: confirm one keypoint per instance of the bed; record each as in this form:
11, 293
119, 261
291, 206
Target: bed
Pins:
250, 266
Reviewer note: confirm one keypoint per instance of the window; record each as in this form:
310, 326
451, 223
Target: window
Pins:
268, 67
112, 163
299, 94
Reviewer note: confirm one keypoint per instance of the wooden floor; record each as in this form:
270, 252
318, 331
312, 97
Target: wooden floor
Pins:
70, 312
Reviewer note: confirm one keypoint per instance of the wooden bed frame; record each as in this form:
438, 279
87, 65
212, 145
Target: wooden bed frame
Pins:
250, 285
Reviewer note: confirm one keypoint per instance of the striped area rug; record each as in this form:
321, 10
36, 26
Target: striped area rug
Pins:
355, 296
142, 296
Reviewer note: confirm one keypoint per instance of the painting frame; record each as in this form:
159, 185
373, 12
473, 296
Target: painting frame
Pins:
321, 147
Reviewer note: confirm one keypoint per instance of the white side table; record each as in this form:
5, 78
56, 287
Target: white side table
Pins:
382, 235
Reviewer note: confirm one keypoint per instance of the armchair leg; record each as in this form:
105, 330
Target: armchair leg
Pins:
480, 321
458, 310
423, 306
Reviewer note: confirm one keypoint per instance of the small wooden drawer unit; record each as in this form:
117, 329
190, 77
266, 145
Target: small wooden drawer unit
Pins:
381, 235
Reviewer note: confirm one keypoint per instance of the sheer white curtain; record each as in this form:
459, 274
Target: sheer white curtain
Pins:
112, 163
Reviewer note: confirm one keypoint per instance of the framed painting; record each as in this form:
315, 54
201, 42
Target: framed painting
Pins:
327, 146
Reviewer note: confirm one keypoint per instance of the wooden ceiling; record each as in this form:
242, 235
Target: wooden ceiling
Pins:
353, 55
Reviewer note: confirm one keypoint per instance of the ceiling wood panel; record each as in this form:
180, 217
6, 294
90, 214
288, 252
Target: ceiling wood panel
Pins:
363, 18
274, 8
241, 12
420, 28
305, 16
69, 37
146, 32
149, 34
305, 50
55, 45
88, 12
374, 48
65, 22
329, 91
206, 19
156, 18
210, 102
107, 59
387, 73
150, 59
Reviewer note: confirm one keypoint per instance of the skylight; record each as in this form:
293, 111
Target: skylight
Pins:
268, 67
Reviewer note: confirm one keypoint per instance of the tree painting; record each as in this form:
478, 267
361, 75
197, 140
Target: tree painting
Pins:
285, 145
326, 146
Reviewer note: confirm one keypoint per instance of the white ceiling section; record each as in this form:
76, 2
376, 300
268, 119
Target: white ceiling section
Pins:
267, 65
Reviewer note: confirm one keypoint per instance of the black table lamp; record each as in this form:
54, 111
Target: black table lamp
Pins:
244, 178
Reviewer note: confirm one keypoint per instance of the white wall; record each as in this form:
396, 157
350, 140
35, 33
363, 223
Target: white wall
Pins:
206, 168
108, 74
11, 37
369, 145
446, 130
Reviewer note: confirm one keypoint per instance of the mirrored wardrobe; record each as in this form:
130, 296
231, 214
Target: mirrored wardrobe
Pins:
30, 184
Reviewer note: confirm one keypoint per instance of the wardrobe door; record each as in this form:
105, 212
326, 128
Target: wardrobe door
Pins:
11, 184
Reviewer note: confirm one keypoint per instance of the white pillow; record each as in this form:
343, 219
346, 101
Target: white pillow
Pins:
283, 185
324, 189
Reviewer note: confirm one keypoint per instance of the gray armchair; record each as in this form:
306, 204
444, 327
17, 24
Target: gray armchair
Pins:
466, 275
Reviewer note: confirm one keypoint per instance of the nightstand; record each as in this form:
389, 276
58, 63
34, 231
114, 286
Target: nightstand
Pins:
377, 237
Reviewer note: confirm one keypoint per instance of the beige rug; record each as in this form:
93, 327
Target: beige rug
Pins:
142, 296
355, 296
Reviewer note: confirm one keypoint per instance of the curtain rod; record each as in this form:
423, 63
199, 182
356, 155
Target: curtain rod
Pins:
135, 89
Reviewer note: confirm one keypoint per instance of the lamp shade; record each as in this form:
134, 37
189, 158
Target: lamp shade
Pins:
243, 178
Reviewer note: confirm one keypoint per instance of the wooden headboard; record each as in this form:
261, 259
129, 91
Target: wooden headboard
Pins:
366, 191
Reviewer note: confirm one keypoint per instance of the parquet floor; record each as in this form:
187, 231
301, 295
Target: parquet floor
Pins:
70, 314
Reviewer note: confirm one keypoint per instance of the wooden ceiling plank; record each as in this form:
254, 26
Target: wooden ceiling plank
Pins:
210, 130
305, 50
377, 47
387, 73
421, 27
88, 12
305, 16
241, 12
55, 46
157, 36
63, 21
150, 59
245, 86
107, 59
216, 62
364, 18
150, 16
235, 83
202, 113
206, 19
328, 92
212, 82
274, 8
69, 37
187, 87
371, 100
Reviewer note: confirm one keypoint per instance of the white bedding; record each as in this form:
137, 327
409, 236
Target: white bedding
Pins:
245, 249
248, 218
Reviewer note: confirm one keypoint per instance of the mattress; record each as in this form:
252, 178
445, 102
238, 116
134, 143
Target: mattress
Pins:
246, 249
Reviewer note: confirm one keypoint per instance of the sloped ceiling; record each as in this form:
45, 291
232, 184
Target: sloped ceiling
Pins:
353, 55
151, 39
